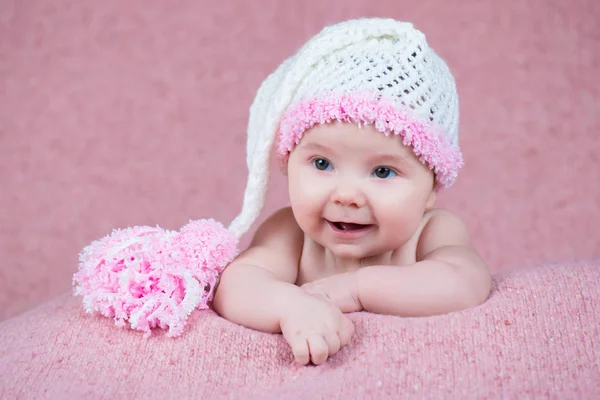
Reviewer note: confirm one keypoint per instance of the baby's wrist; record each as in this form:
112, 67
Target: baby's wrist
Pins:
285, 296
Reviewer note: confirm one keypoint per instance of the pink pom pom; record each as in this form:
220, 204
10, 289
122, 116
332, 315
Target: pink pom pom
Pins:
153, 277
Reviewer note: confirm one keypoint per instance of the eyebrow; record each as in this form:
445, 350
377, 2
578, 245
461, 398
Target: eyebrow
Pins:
390, 158
314, 146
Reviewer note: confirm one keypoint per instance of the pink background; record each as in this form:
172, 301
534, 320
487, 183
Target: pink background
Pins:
120, 113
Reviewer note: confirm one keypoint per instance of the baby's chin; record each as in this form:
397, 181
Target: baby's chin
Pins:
361, 252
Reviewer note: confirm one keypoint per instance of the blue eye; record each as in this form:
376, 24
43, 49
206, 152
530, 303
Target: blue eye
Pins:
321, 164
383, 173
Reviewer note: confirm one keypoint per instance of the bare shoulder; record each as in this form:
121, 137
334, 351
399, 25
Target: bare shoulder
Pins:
281, 226
446, 238
442, 229
276, 246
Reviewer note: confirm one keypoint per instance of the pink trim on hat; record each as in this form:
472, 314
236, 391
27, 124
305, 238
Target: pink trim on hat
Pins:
428, 144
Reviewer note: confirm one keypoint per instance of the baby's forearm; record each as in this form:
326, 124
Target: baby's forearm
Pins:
253, 297
429, 287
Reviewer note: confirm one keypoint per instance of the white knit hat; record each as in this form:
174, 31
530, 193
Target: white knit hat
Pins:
374, 71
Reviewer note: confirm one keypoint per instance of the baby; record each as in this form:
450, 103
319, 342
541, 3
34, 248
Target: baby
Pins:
366, 120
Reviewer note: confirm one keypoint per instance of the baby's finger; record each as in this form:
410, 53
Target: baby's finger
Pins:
333, 342
300, 349
318, 349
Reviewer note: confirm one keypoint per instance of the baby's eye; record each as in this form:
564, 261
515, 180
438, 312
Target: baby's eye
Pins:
321, 164
383, 172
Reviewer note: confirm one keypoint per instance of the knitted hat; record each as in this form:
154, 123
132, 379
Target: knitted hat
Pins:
372, 71
367, 71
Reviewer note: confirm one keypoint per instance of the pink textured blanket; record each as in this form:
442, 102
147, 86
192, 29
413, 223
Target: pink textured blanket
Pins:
537, 336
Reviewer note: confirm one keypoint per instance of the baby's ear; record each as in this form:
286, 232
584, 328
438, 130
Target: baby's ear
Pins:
432, 198
283, 168
433, 195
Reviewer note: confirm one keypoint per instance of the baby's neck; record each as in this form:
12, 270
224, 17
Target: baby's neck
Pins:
336, 265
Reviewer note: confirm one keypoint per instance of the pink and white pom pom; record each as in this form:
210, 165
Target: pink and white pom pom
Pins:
151, 277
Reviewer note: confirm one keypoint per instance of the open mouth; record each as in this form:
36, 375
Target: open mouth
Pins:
348, 226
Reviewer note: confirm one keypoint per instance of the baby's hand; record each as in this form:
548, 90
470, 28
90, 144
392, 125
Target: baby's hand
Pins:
315, 329
340, 289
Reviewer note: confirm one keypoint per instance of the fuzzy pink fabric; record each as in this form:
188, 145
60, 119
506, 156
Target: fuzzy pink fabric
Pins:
427, 140
148, 277
537, 336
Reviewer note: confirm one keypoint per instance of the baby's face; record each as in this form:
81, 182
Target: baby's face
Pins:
357, 192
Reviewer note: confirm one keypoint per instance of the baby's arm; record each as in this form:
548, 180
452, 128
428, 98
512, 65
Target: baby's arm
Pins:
448, 276
258, 291
254, 289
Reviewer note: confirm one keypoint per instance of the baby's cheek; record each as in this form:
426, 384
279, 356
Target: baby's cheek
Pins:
308, 195
304, 211
403, 221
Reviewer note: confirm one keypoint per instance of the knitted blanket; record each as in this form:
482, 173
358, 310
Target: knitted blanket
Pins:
537, 336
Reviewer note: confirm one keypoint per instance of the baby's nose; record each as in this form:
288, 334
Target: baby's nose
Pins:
349, 195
